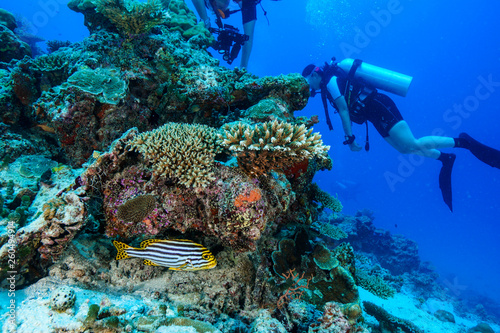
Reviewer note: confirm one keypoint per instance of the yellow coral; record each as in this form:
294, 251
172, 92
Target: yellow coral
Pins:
181, 151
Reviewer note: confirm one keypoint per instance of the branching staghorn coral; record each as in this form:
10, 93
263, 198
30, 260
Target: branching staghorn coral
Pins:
271, 145
132, 17
181, 151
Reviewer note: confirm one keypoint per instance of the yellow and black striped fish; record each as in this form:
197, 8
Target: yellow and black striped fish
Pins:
177, 254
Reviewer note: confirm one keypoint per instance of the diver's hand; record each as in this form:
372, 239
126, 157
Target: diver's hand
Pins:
354, 146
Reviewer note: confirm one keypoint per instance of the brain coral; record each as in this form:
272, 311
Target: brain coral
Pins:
181, 151
137, 209
271, 145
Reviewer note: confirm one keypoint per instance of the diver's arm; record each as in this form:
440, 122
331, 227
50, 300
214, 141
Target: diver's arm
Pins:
202, 12
346, 121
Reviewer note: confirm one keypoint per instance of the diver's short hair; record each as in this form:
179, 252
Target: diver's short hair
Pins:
308, 70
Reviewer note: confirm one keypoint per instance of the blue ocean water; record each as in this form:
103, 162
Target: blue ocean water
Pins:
452, 50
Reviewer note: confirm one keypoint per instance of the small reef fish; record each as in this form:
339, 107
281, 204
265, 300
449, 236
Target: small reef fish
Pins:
177, 254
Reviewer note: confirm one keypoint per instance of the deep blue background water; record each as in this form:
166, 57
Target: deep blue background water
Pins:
450, 48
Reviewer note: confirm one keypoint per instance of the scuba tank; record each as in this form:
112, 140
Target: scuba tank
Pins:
378, 77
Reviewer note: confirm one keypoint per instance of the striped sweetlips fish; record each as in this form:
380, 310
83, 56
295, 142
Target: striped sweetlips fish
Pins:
177, 254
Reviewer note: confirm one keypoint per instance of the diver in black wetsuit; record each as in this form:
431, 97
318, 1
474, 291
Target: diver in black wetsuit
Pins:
220, 8
370, 105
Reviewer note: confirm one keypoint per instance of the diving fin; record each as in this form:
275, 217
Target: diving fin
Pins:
445, 178
485, 154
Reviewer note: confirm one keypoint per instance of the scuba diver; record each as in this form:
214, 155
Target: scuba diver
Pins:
351, 88
228, 34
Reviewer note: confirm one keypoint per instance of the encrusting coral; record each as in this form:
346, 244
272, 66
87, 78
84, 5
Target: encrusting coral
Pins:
105, 83
271, 145
181, 151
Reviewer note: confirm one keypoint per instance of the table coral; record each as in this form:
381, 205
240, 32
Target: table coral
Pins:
271, 145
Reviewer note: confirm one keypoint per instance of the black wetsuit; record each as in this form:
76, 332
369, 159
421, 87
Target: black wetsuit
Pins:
249, 10
382, 112
378, 108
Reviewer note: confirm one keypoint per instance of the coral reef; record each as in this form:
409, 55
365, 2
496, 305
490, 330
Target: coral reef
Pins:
394, 252
136, 133
329, 230
53, 69
146, 81
46, 219
232, 207
329, 274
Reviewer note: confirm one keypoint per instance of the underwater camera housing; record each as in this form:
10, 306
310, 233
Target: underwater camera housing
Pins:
229, 41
